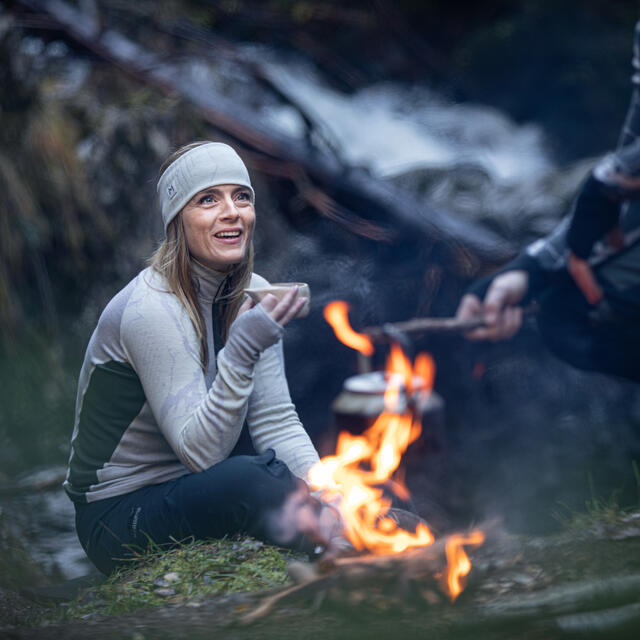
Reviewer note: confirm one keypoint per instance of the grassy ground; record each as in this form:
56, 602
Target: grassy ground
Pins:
598, 511
189, 572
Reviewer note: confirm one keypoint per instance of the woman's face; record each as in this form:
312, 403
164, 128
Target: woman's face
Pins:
218, 224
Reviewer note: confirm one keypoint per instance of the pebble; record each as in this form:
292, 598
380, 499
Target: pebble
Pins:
524, 579
171, 577
89, 616
165, 593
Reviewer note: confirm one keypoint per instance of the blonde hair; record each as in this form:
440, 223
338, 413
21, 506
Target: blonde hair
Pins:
173, 261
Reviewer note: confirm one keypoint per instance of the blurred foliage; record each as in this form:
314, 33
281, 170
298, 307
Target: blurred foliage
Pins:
38, 380
600, 511
51, 226
17, 568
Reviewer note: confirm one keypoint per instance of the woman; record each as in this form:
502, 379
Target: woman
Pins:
176, 364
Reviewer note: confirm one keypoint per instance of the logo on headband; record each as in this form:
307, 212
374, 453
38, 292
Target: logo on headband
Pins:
171, 191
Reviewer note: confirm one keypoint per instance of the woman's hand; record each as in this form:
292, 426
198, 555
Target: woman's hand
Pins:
283, 310
257, 327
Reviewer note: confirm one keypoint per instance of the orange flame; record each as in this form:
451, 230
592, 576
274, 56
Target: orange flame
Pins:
458, 563
363, 463
336, 314
353, 477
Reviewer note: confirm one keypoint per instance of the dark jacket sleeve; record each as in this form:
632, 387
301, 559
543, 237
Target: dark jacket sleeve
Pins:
595, 211
543, 260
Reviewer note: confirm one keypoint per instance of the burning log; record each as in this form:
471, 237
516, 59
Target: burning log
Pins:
412, 579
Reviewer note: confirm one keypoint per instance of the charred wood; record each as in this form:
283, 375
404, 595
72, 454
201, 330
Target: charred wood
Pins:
378, 582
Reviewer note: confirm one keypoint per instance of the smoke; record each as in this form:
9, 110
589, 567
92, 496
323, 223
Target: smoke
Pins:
305, 523
296, 524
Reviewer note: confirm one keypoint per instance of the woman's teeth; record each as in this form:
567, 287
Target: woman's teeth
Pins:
227, 234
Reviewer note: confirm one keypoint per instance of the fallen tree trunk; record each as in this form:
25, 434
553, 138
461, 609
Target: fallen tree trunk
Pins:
352, 197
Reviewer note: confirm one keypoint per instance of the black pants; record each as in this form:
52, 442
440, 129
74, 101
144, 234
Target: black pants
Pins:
242, 494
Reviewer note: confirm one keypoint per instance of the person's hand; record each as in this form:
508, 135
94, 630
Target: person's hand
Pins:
283, 310
500, 311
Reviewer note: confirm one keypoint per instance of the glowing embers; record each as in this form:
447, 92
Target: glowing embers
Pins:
354, 477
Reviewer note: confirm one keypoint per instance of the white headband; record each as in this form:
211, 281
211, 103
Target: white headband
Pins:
207, 165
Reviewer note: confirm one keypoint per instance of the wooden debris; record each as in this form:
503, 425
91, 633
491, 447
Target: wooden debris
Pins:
378, 581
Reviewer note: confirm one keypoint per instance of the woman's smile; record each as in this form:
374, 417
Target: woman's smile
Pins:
229, 236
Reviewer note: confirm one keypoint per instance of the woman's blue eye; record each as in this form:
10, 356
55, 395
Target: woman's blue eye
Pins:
208, 199
244, 195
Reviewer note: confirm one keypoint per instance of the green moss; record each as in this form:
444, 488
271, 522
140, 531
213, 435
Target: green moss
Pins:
187, 573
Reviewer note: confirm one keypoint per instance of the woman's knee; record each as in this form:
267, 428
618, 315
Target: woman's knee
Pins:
260, 480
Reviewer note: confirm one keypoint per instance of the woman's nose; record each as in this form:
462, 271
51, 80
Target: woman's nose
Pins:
230, 210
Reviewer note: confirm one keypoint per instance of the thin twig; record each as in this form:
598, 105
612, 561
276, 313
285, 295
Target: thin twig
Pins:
423, 325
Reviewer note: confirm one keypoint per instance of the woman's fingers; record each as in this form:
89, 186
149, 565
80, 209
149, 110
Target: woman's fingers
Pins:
269, 303
282, 311
293, 311
246, 305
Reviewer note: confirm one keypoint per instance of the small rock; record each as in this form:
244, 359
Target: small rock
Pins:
89, 616
523, 579
301, 572
161, 582
165, 593
430, 596
171, 577
625, 533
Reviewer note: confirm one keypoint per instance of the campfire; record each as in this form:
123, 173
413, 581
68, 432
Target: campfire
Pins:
354, 478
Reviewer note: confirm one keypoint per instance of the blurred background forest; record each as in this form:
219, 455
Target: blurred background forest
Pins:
485, 114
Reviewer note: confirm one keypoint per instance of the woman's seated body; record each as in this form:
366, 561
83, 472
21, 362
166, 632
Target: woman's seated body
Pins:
178, 362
